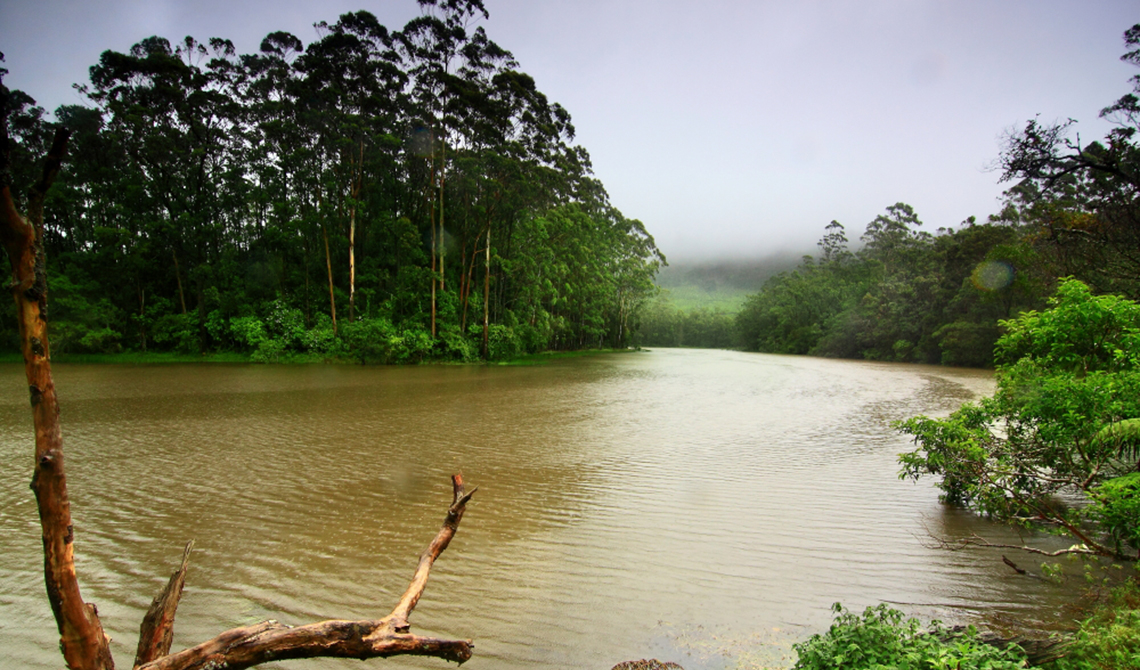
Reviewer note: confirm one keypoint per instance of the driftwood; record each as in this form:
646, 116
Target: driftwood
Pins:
368, 638
84, 644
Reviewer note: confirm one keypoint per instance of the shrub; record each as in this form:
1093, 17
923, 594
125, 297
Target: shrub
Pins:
177, 331
1110, 638
451, 345
1116, 506
881, 639
503, 342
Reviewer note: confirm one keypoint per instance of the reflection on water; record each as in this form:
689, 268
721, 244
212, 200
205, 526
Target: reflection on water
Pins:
676, 503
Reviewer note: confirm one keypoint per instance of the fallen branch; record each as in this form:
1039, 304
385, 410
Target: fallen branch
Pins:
1013, 566
975, 540
1078, 549
369, 638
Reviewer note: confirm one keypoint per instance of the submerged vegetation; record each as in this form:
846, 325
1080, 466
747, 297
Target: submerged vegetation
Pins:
376, 195
1060, 428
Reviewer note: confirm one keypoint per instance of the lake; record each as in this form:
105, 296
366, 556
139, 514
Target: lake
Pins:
700, 506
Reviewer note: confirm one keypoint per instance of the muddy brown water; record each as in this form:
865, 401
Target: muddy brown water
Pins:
705, 507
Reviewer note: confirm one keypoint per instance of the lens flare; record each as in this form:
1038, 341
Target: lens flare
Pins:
992, 275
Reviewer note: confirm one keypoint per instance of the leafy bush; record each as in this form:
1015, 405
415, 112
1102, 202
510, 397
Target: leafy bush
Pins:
248, 331
881, 639
320, 339
368, 339
80, 323
1116, 506
177, 331
503, 342
452, 346
1068, 380
410, 345
1110, 638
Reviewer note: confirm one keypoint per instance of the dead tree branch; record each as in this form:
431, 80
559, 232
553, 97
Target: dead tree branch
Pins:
370, 638
157, 630
84, 644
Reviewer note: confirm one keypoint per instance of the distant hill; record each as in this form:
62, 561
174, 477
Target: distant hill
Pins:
722, 284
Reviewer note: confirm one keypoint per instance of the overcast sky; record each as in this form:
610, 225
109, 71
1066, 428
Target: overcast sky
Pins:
730, 128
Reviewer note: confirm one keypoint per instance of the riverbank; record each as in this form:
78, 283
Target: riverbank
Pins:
158, 358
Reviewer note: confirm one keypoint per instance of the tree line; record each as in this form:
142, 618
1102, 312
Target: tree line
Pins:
384, 195
906, 294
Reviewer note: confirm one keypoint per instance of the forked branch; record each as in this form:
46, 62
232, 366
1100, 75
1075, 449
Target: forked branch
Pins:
369, 638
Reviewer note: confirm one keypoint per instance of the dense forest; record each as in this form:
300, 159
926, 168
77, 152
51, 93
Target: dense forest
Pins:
901, 293
388, 196
409, 195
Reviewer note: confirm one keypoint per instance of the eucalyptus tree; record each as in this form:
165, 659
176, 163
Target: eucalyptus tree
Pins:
451, 67
174, 122
351, 90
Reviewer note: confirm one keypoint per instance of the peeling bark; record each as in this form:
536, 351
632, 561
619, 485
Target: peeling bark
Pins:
84, 644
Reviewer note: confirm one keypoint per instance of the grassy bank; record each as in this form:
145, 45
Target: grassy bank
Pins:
136, 357
149, 358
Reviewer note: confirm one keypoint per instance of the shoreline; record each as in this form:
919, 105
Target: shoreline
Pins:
170, 358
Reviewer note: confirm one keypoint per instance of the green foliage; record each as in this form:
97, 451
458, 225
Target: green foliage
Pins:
1110, 638
1123, 435
664, 325
882, 639
215, 201
1067, 377
967, 343
82, 322
451, 345
905, 296
504, 343
1080, 333
177, 332
1116, 506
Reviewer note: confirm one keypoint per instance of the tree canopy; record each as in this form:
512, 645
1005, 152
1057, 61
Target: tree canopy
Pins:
392, 195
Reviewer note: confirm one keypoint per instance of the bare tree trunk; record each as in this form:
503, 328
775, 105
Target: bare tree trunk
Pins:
84, 644
442, 237
487, 298
429, 201
142, 314
357, 183
463, 285
328, 264
328, 259
178, 278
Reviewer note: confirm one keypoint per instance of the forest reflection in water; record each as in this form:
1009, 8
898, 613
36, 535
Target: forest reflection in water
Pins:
701, 506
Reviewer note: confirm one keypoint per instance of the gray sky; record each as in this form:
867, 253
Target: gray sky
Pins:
730, 128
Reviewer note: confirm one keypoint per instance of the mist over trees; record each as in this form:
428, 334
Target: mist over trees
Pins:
903, 293
390, 196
